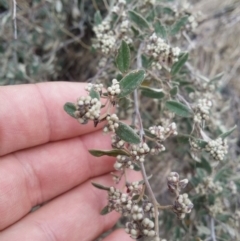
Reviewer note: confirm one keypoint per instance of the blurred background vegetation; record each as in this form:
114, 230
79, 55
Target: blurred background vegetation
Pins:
54, 40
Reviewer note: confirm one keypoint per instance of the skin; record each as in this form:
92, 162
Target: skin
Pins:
44, 160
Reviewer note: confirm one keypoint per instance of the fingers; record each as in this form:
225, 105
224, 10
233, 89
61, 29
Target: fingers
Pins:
36, 175
73, 216
31, 115
118, 235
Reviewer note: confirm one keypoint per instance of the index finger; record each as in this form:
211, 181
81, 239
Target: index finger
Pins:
33, 114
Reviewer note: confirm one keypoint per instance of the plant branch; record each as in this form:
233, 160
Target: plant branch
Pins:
143, 170
152, 196
136, 103
14, 18
165, 207
213, 229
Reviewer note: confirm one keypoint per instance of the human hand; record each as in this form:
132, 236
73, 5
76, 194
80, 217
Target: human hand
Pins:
44, 159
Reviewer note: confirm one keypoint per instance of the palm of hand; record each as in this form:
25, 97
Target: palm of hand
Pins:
44, 159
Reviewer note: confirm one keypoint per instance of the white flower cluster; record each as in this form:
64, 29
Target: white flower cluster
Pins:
152, 2
148, 208
173, 177
114, 89
138, 152
162, 133
192, 23
140, 224
123, 162
117, 142
137, 213
125, 29
233, 187
157, 149
118, 201
216, 208
194, 145
174, 184
123, 2
87, 109
132, 228
208, 186
116, 9
115, 178
96, 87
133, 186
218, 148
124, 26
202, 110
161, 51
148, 227
182, 205
237, 218
102, 62
112, 123
106, 39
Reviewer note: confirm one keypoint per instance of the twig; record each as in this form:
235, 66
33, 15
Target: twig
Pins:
136, 109
95, 5
165, 207
14, 18
143, 170
213, 229
137, 113
152, 196
106, 4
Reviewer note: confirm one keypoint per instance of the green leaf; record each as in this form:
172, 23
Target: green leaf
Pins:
160, 30
145, 61
94, 94
224, 135
151, 15
202, 230
201, 143
168, 11
178, 25
119, 77
223, 217
211, 199
105, 211
149, 134
174, 91
136, 167
216, 78
135, 31
99, 186
178, 108
131, 82
136, 197
223, 174
204, 164
127, 134
183, 139
114, 152
179, 64
139, 20
152, 93
201, 173
125, 103
70, 108
97, 18
123, 57
189, 89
